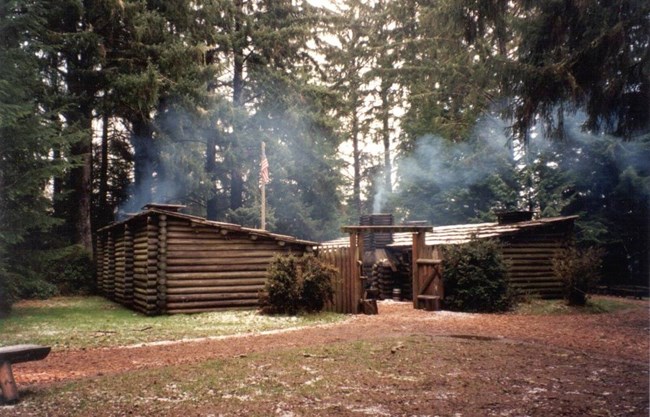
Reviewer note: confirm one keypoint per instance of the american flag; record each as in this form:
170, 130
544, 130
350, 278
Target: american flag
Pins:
264, 170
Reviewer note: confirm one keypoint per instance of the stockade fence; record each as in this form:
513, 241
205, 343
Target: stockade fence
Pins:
347, 289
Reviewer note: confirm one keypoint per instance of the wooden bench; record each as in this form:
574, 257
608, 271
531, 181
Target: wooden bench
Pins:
17, 354
429, 302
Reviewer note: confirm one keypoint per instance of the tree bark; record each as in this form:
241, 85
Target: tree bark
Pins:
104, 212
143, 162
385, 133
356, 152
236, 180
210, 169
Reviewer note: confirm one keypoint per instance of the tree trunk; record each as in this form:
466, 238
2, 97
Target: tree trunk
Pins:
104, 211
143, 163
210, 169
385, 133
80, 177
356, 154
82, 88
81, 185
236, 180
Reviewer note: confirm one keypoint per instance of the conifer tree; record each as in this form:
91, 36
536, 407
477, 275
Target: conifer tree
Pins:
268, 93
27, 136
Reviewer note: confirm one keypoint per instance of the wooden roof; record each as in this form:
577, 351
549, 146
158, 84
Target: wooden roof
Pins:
462, 233
387, 229
153, 209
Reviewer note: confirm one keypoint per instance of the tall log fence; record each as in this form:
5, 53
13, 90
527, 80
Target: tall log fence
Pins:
345, 300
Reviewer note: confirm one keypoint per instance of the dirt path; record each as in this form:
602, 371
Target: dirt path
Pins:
620, 336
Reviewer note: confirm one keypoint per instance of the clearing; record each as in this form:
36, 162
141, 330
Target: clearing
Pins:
402, 362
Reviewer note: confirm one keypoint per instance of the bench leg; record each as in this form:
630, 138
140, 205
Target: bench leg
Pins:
7, 383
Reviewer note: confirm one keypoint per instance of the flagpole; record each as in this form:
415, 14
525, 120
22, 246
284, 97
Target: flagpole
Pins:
263, 183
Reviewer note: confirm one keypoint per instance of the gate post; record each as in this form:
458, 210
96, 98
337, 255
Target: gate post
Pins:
356, 261
418, 246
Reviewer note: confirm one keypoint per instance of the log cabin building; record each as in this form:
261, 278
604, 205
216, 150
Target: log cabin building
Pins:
528, 247
161, 261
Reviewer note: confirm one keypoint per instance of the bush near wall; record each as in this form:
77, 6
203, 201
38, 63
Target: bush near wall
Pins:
579, 270
297, 284
475, 278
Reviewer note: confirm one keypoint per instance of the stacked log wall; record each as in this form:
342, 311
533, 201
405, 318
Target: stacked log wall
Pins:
160, 263
99, 259
145, 274
108, 274
128, 266
119, 260
161, 281
208, 269
529, 257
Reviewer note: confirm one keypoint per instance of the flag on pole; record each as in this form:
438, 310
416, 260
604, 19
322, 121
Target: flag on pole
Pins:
264, 169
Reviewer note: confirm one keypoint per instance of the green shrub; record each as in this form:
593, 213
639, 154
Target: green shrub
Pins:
32, 286
7, 293
282, 292
41, 274
296, 284
71, 270
475, 278
579, 270
317, 278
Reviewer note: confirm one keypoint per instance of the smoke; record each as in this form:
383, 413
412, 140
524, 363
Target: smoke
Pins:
437, 168
168, 161
380, 198
580, 173
151, 190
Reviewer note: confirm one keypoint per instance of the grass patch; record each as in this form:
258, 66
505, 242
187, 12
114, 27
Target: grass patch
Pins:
87, 322
416, 375
595, 305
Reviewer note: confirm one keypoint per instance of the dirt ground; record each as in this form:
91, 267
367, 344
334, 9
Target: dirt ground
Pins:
606, 355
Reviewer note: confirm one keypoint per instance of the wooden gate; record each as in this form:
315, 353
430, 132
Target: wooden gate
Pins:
427, 285
351, 291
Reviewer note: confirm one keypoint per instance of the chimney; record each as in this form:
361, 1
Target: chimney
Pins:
174, 208
372, 241
513, 216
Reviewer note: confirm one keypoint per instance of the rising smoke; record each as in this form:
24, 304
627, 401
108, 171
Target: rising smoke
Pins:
446, 182
437, 169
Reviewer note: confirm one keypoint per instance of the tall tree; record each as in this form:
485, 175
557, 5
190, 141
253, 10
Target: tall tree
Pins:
349, 60
155, 69
569, 55
73, 47
267, 49
27, 136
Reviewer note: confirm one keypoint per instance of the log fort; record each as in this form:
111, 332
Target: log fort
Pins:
528, 245
161, 261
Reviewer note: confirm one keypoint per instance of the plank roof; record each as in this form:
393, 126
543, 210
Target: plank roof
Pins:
463, 233
154, 209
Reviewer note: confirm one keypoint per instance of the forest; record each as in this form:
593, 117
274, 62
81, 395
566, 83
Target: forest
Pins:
436, 110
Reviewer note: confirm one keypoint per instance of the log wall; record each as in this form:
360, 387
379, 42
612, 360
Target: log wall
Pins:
145, 275
108, 282
529, 257
213, 269
119, 257
161, 263
99, 264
